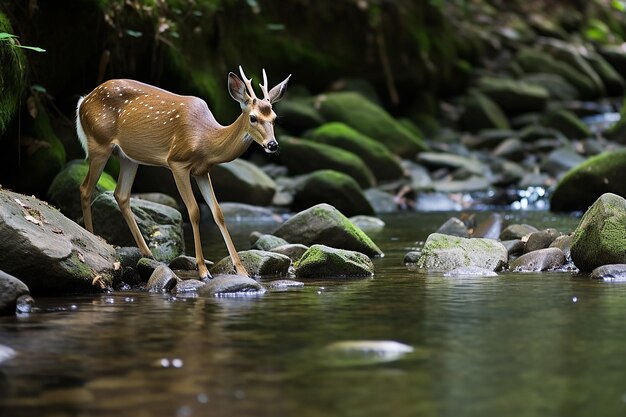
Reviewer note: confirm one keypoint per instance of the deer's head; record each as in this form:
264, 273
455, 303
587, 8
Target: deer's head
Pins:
260, 117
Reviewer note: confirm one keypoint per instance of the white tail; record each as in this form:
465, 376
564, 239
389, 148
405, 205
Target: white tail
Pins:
148, 125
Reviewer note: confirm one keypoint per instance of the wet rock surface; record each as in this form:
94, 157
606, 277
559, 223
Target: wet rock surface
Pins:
539, 260
321, 261
11, 289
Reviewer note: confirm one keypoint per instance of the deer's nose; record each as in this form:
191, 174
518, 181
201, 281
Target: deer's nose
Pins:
272, 146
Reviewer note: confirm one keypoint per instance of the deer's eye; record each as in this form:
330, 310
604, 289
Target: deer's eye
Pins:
253, 118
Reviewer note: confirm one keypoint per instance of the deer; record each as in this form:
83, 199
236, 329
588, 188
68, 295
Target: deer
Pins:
144, 124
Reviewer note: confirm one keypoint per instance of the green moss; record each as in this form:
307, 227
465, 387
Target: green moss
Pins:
323, 261
12, 75
567, 123
514, 96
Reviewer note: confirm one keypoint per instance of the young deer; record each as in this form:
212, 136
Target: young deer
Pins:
147, 125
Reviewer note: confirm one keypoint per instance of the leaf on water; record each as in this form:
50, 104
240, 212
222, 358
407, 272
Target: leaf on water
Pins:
31, 105
33, 220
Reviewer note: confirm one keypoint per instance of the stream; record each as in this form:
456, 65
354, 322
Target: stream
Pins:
534, 344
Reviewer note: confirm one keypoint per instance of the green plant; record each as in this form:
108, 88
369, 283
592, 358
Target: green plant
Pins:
12, 39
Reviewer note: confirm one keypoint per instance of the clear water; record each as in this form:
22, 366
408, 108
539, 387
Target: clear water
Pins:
549, 344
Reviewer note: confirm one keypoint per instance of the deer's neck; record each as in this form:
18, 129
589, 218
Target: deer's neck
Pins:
229, 142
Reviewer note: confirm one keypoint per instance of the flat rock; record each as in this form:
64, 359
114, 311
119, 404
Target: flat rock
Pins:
187, 286
230, 284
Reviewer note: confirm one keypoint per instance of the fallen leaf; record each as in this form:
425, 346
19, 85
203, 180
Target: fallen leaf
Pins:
33, 220
17, 200
57, 230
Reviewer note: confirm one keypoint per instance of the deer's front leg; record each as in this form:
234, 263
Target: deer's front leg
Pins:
183, 182
206, 188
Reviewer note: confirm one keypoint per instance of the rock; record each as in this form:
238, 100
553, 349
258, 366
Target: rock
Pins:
381, 201
268, 242
611, 272
445, 253
369, 224
511, 149
517, 231
561, 160
48, 252
615, 55
436, 202
188, 286
11, 289
293, 250
161, 226
567, 123
514, 97
454, 227
600, 237
383, 164
64, 191
332, 187
187, 263
481, 112
489, 228
612, 80
303, 156
451, 161
470, 271
159, 198
146, 266
163, 279
324, 224
556, 85
284, 284
563, 242
298, 115
227, 284
322, 261
236, 212
258, 263
128, 255
371, 120
471, 184
243, 182
420, 177
539, 260
411, 257
514, 247
541, 239
533, 60
6, 353
582, 185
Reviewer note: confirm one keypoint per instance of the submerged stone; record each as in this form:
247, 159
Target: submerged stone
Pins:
283, 284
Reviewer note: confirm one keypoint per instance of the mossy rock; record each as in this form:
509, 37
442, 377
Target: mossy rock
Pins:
600, 237
382, 162
581, 186
242, 181
617, 132
481, 113
444, 253
333, 187
361, 114
567, 123
533, 60
64, 192
514, 97
258, 263
268, 242
302, 156
556, 85
297, 115
612, 80
324, 224
12, 75
321, 261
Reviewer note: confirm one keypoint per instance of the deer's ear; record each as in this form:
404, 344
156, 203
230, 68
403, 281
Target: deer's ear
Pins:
237, 89
278, 91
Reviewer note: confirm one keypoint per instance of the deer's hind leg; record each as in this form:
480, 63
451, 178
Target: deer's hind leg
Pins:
128, 170
97, 159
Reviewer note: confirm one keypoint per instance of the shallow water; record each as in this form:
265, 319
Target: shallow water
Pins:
549, 344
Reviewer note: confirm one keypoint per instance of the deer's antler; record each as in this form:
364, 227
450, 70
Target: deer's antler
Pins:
266, 95
248, 83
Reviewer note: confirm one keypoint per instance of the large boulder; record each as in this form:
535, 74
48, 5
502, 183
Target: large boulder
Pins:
243, 182
321, 261
332, 187
372, 120
298, 115
384, 164
600, 237
302, 156
512, 96
64, 192
582, 185
324, 224
160, 225
50, 253
444, 253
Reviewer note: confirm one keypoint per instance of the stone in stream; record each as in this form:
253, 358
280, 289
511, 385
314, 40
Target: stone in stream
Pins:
322, 261
146, 266
541, 239
611, 272
445, 253
324, 224
243, 182
50, 253
187, 263
230, 284
188, 286
258, 263
11, 289
369, 224
514, 247
284, 284
470, 271
539, 260
6, 353
411, 257
600, 237
564, 242
268, 242
163, 279
453, 227
517, 231
364, 352
293, 250
489, 228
